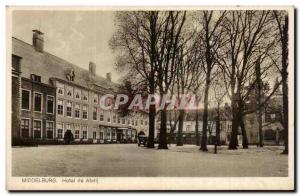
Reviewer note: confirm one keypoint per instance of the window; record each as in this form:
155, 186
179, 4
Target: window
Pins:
60, 107
188, 127
132, 122
77, 110
108, 133
37, 102
37, 129
49, 130
128, 122
136, 123
85, 98
25, 99
76, 134
95, 113
123, 121
108, 118
128, 133
114, 119
69, 93
35, 78
77, 131
84, 132
101, 135
113, 134
69, 108
60, 88
59, 130
69, 90
142, 122
50, 104
119, 120
146, 122
25, 128
94, 135
95, 98
77, 93
84, 112
101, 116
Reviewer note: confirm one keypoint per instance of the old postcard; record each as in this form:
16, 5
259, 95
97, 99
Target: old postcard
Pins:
144, 98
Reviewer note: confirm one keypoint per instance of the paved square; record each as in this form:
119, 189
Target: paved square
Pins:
130, 160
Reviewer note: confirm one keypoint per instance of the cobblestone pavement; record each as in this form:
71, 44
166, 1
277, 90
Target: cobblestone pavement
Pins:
130, 160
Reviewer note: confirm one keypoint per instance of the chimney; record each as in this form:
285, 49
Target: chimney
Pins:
92, 68
108, 76
38, 40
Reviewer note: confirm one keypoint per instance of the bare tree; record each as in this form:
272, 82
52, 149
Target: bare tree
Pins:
169, 44
248, 43
188, 73
135, 40
283, 26
219, 95
211, 35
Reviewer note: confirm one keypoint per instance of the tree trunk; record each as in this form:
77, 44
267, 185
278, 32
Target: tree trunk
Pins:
285, 86
260, 131
285, 116
234, 133
205, 116
152, 114
197, 128
245, 138
163, 144
180, 127
150, 143
218, 126
258, 99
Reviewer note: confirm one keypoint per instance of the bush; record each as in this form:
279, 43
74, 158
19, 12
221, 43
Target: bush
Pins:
24, 142
68, 137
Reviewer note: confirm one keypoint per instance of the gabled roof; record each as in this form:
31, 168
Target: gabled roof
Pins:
50, 66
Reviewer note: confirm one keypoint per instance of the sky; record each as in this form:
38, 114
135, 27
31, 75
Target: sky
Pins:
76, 36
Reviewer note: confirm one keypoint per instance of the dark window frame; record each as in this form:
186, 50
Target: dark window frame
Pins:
35, 102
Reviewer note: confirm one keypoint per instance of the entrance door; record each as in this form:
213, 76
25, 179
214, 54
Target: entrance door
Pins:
119, 136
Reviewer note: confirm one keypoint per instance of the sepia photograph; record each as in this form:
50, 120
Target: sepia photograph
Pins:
143, 98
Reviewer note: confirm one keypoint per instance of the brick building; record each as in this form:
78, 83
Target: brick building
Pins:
74, 93
15, 91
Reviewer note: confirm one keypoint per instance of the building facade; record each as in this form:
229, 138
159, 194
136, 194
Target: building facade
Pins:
15, 98
57, 96
37, 109
189, 133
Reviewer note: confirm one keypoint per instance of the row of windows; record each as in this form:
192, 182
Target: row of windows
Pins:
83, 129
84, 109
80, 132
37, 102
76, 93
37, 129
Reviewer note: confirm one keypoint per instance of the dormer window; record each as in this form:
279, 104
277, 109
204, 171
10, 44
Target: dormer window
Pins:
69, 93
35, 78
60, 91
